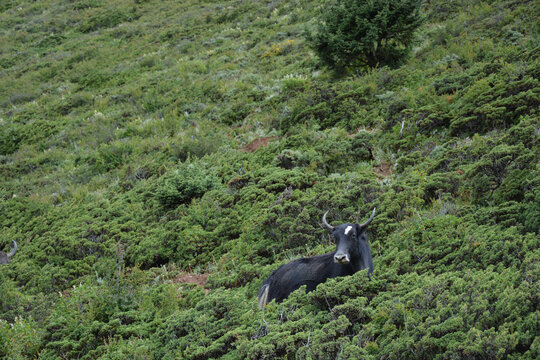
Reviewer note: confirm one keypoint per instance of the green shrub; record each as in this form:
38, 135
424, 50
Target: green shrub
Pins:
65, 106
495, 101
107, 19
111, 156
342, 104
206, 330
531, 214
187, 182
354, 33
20, 339
500, 174
11, 137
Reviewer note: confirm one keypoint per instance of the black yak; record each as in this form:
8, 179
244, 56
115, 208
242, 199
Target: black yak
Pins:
352, 255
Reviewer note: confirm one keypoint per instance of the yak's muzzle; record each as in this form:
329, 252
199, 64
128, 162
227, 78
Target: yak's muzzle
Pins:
341, 258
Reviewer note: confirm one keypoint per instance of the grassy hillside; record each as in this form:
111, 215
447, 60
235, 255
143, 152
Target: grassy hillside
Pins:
159, 159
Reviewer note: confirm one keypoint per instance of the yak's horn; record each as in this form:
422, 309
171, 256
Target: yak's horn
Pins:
369, 220
14, 249
325, 222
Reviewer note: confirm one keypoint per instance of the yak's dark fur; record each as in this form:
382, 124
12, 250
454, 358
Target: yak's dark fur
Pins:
312, 271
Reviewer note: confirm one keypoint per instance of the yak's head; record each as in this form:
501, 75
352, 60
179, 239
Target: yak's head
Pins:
6, 258
352, 244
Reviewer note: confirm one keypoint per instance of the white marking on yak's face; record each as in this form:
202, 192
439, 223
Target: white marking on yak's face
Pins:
349, 228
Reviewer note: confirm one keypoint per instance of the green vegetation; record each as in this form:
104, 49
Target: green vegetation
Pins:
359, 33
158, 160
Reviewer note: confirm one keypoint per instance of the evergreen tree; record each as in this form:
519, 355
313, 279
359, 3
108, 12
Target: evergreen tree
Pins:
358, 33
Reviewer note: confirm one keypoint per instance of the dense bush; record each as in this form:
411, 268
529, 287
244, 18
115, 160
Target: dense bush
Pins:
107, 19
355, 33
185, 183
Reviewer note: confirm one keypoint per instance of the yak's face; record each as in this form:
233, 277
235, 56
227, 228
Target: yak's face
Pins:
352, 246
347, 238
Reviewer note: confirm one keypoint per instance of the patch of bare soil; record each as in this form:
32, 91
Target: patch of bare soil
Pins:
384, 169
188, 278
257, 143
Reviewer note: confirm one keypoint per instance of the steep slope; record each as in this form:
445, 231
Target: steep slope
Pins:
140, 140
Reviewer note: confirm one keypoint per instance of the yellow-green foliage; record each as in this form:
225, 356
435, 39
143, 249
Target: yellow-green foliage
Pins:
159, 159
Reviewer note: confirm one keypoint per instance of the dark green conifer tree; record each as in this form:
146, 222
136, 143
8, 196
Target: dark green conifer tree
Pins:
360, 33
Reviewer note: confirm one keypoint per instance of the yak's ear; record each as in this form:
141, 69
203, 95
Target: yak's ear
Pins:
360, 230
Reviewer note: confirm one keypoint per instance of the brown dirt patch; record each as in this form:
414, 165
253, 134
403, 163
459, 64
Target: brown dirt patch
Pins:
384, 169
257, 143
188, 278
